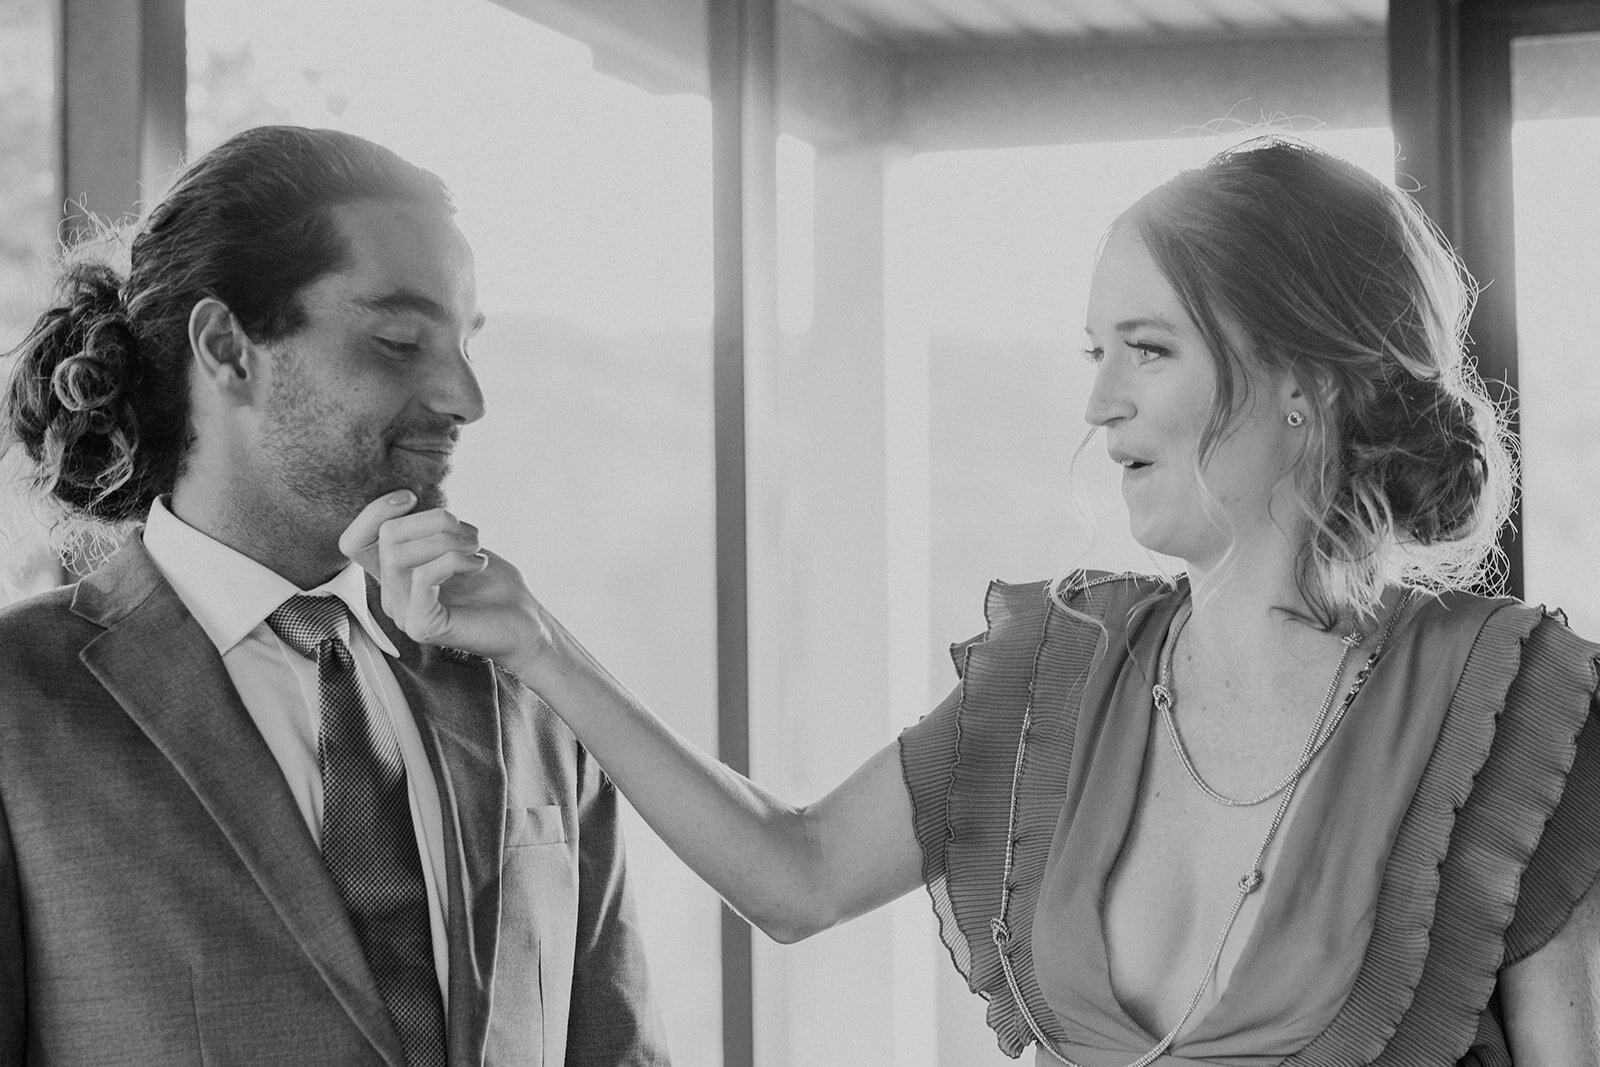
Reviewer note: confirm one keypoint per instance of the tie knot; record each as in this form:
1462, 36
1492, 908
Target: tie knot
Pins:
305, 622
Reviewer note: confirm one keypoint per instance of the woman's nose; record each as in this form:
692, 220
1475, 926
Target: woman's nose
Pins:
1109, 399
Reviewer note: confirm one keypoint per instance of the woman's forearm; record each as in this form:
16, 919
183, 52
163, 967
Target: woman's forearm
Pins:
790, 870
761, 854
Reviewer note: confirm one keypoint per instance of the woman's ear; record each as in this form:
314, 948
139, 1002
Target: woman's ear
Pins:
1306, 396
227, 361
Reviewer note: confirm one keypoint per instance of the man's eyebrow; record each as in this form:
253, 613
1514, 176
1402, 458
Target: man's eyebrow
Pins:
413, 301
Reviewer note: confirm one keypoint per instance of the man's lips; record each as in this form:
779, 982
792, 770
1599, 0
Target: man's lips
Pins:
439, 451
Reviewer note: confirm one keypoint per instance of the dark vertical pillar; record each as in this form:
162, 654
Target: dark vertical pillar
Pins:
1424, 54
163, 98
1450, 108
1486, 239
123, 81
742, 38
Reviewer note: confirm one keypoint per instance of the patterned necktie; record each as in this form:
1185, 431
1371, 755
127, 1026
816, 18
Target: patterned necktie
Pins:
368, 840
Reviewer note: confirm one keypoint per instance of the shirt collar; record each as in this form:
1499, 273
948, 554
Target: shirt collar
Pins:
228, 593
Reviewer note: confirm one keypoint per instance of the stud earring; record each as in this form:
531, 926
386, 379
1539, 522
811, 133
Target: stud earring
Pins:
1295, 418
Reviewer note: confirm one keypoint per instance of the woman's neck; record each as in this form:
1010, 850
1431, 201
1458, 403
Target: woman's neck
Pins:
1252, 604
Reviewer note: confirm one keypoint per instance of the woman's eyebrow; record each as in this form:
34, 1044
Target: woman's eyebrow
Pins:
1143, 321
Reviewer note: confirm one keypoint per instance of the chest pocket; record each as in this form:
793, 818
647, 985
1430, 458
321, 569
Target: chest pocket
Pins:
537, 824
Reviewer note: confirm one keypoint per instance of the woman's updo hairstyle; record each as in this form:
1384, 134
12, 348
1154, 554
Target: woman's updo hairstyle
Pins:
1291, 259
99, 397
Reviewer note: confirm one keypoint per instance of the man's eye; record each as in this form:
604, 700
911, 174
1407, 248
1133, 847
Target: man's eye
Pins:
403, 348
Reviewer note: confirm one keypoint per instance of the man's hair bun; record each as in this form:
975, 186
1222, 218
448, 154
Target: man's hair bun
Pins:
71, 405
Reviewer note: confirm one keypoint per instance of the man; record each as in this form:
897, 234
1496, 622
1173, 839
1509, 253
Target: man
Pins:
242, 818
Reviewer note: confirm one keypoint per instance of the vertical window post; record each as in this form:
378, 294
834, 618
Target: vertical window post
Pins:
123, 81
742, 51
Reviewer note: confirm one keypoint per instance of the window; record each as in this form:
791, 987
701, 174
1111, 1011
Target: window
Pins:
1555, 142
29, 211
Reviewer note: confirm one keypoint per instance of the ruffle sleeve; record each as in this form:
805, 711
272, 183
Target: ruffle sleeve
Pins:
960, 761
1567, 861
1475, 875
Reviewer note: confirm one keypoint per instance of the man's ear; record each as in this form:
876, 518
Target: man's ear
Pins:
227, 360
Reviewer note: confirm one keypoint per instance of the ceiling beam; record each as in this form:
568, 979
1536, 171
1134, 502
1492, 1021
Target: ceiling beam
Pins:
836, 88
658, 45
1070, 93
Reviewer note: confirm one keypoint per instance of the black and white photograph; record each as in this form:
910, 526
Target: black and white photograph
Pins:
800, 533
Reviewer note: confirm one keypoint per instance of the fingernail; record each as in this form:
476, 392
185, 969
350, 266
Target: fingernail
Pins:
398, 498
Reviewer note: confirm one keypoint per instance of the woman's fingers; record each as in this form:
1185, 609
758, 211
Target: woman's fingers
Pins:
359, 541
386, 525
426, 616
411, 555
401, 556
437, 582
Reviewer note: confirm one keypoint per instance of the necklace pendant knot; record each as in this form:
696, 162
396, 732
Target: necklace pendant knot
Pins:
1250, 882
1162, 696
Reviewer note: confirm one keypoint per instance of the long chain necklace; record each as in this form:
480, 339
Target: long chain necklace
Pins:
1161, 692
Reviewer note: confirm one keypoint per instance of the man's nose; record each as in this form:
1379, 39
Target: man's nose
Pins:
456, 390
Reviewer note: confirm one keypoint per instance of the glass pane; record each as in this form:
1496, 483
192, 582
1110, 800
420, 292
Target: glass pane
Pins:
587, 202
29, 211
1556, 170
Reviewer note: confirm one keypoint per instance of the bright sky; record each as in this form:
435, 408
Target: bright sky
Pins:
589, 199
583, 196
1004, 239
1556, 170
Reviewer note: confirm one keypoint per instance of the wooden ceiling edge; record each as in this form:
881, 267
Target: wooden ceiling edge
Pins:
838, 89
834, 88
1066, 95
658, 45
914, 49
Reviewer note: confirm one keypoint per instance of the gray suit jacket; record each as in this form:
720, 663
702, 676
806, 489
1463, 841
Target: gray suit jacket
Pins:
162, 902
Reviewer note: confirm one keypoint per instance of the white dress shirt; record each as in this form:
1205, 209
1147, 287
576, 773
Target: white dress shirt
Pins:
230, 595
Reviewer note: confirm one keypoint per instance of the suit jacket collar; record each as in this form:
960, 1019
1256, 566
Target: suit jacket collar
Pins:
186, 704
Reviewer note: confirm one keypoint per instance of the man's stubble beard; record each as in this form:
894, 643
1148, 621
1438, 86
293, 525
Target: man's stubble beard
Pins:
331, 462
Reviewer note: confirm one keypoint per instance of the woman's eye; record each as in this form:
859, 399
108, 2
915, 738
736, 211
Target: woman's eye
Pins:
1094, 355
1148, 352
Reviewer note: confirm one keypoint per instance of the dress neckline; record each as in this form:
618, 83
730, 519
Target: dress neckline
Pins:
1111, 759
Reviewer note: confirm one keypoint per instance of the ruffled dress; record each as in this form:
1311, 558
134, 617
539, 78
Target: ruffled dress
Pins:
1446, 831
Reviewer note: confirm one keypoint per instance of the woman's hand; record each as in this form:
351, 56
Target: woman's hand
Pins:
442, 588
792, 871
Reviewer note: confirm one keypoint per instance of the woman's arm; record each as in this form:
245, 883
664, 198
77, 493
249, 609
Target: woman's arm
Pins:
792, 871
1552, 998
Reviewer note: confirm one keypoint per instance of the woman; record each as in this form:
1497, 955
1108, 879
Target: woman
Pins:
1311, 803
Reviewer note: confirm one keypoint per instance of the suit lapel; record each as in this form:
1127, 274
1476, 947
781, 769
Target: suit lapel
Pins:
455, 699
186, 704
